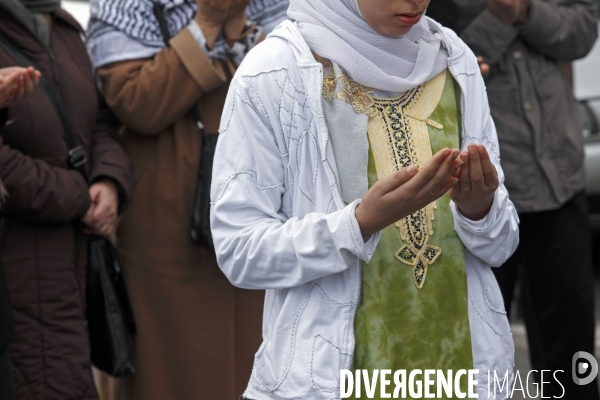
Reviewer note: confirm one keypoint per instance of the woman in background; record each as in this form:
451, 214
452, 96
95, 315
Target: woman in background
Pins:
15, 84
196, 333
49, 205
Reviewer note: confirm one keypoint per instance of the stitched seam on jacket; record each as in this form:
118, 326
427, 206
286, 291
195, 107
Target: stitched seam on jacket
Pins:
498, 334
254, 178
312, 359
251, 89
292, 342
312, 198
485, 296
357, 240
294, 330
231, 110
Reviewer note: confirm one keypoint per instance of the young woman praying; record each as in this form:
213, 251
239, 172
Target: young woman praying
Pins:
340, 188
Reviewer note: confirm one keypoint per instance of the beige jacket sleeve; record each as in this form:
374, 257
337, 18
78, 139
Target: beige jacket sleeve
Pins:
148, 95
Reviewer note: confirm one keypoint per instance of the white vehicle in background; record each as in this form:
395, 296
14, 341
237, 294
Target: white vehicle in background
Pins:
80, 9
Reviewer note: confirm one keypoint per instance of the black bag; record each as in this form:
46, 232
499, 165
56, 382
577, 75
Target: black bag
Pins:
109, 312
200, 225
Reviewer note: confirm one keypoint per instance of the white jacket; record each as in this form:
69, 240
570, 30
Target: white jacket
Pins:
279, 222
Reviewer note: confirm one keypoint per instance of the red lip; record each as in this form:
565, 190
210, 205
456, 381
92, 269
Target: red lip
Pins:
409, 18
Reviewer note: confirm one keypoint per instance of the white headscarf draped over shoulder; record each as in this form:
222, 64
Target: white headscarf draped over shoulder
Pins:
336, 30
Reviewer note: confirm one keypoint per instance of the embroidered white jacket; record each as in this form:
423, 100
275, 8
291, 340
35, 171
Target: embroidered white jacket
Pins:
279, 222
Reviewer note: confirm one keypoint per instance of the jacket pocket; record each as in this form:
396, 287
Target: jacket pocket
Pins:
272, 361
326, 361
295, 346
307, 164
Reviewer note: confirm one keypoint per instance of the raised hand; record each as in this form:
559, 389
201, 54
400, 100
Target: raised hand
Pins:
211, 16
406, 191
236, 19
478, 181
16, 83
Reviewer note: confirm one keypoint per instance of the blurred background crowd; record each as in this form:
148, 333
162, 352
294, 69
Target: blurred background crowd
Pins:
108, 112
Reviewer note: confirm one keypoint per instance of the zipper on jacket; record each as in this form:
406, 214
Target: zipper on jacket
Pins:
359, 294
354, 314
337, 184
463, 105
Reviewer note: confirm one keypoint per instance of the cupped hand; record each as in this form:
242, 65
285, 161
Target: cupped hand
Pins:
101, 218
478, 181
16, 83
392, 198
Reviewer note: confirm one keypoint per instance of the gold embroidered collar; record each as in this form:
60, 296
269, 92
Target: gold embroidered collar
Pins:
399, 137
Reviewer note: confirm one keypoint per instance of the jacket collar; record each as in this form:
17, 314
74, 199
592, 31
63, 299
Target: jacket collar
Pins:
312, 76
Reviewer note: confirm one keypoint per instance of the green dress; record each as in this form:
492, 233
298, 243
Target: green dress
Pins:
413, 312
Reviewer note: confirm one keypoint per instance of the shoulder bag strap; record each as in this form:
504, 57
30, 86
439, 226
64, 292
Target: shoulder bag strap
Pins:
164, 30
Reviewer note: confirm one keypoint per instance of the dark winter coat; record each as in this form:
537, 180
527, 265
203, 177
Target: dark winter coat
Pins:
6, 319
44, 254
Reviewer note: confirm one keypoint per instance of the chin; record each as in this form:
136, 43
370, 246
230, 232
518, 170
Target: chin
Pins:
397, 31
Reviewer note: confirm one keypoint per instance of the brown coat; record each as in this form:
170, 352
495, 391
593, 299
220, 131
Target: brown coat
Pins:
44, 253
197, 333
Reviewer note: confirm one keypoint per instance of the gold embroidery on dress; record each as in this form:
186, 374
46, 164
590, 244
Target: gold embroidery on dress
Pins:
357, 95
329, 84
430, 122
329, 80
399, 137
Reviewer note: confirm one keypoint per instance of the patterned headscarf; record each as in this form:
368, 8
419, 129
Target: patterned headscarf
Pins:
136, 18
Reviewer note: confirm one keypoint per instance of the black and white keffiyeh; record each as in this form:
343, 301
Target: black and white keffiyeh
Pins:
127, 29
267, 13
136, 18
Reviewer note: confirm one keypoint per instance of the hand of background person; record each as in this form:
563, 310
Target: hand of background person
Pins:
101, 218
406, 191
478, 181
211, 16
483, 66
16, 83
509, 11
524, 12
236, 20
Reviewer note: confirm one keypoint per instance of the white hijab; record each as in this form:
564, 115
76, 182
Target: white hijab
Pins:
336, 30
